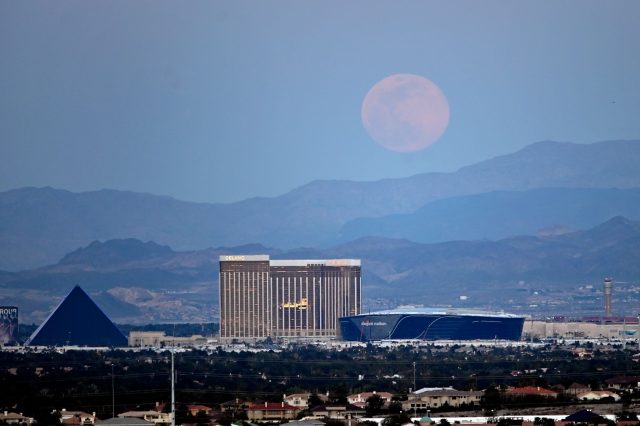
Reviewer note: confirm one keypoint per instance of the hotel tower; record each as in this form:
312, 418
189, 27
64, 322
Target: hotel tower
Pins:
262, 298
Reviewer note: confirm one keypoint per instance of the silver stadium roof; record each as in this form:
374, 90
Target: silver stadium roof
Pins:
443, 311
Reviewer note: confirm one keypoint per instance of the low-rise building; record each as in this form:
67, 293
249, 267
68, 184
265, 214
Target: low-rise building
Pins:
624, 382
576, 389
234, 406
157, 339
152, 416
627, 328
598, 395
71, 417
530, 391
298, 400
427, 398
338, 411
10, 418
195, 409
360, 399
305, 422
271, 411
124, 421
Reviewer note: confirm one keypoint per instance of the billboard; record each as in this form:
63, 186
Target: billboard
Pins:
8, 325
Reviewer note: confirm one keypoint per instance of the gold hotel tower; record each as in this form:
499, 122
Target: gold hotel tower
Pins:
262, 298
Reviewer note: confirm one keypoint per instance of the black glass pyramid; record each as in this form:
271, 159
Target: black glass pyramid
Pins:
77, 321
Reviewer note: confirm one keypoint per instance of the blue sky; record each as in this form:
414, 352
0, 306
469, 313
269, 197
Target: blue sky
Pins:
224, 100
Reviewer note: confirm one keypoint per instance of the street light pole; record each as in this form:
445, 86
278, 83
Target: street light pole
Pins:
414, 388
173, 393
414, 376
113, 394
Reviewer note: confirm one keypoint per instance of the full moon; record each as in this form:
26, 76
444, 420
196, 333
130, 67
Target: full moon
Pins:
405, 112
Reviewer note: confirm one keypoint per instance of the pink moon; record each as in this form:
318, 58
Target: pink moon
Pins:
405, 112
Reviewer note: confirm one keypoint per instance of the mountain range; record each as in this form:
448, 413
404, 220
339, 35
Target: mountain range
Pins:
502, 214
554, 185
533, 232
142, 282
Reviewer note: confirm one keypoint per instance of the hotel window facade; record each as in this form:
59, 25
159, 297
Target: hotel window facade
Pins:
262, 298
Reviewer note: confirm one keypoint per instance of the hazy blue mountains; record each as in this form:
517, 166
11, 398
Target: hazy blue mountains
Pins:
502, 214
40, 225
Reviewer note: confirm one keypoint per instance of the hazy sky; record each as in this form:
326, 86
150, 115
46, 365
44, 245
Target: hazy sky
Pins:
224, 100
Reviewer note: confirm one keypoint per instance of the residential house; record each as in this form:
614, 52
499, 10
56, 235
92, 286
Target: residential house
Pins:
598, 395
234, 406
623, 382
124, 421
360, 399
530, 391
270, 411
298, 400
195, 409
338, 411
9, 418
576, 389
155, 417
427, 398
71, 417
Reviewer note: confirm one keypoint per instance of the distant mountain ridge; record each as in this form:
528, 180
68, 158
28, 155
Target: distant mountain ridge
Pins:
509, 274
132, 280
40, 225
501, 214
166, 285
115, 252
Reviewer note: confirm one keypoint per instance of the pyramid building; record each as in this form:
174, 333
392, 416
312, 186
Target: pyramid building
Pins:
77, 321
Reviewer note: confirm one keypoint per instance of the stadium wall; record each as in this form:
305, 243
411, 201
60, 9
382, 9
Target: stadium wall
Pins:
398, 325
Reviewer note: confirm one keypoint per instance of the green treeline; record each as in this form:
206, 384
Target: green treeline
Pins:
36, 383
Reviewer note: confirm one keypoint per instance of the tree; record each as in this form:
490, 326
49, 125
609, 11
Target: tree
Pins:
543, 421
47, 417
339, 393
314, 400
201, 418
491, 399
374, 404
396, 420
395, 407
183, 415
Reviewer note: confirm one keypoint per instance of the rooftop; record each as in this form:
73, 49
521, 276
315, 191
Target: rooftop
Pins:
272, 406
444, 312
444, 392
531, 390
288, 262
